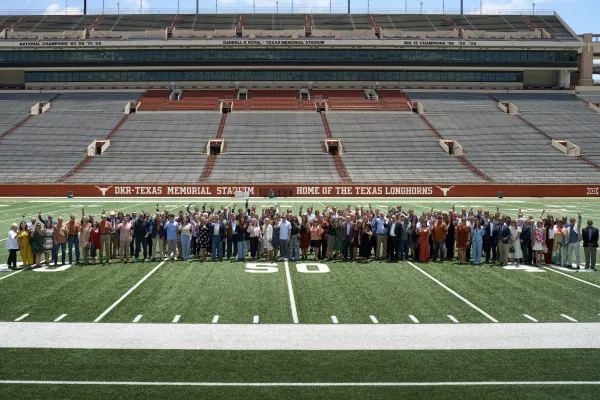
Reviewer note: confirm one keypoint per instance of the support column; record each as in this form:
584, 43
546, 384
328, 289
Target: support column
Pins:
564, 79
586, 62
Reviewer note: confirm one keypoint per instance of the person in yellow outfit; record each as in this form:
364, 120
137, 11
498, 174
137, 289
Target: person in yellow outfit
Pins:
25, 245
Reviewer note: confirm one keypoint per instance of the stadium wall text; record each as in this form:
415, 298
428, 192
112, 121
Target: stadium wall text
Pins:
63, 190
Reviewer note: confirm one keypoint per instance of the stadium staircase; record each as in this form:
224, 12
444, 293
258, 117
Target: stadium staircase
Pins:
25, 120
210, 161
81, 165
463, 159
337, 160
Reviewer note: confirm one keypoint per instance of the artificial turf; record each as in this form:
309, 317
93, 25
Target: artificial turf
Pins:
299, 366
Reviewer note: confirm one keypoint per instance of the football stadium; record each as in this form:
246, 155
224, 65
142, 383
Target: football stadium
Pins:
293, 202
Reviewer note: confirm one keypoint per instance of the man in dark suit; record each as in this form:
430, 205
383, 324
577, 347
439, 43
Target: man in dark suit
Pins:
504, 241
217, 230
525, 239
590, 244
490, 240
394, 234
348, 232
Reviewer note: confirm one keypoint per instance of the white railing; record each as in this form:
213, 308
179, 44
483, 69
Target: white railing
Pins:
274, 10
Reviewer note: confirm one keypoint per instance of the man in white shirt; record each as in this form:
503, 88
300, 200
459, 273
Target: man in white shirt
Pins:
12, 245
285, 229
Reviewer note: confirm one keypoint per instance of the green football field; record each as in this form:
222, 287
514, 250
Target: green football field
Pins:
332, 294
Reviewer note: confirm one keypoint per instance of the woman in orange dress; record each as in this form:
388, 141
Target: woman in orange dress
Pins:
424, 233
463, 236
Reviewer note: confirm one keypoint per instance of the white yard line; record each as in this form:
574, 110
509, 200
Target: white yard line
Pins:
116, 303
291, 293
413, 319
22, 317
334, 319
16, 272
215, 319
36, 207
569, 318
303, 384
529, 317
572, 277
256, 319
567, 335
137, 319
453, 319
374, 319
473, 306
176, 319
60, 317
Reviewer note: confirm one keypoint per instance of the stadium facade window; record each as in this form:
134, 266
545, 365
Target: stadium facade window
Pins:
464, 56
271, 75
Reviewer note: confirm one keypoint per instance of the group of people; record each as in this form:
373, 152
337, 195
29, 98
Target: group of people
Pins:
344, 233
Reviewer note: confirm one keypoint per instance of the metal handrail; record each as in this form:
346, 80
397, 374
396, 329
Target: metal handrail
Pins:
272, 10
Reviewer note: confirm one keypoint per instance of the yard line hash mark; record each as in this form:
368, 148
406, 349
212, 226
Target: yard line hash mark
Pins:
137, 319
529, 317
334, 319
569, 318
22, 317
255, 320
473, 306
176, 319
413, 319
215, 319
453, 319
375, 321
116, 303
60, 317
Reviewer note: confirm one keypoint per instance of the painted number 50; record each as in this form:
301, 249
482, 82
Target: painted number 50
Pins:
268, 268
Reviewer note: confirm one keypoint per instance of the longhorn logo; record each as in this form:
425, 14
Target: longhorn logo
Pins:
592, 191
445, 190
103, 190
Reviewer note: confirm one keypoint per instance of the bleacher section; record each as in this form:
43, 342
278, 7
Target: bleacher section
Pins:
394, 147
14, 108
561, 116
154, 148
501, 145
50, 144
274, 148
357, 23
264, 145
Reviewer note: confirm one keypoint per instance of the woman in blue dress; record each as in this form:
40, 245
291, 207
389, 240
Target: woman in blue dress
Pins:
477, 242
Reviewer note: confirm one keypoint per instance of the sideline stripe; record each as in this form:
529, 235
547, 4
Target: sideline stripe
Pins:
334, 319
529, 317
60, 317
291, 292
572, 277
22, 317
375, 321
569, 318
413, 319
316, 384
16, 272
255, 320
453, 319
215, 319
137, 319
488, 316
176, 319
116, 303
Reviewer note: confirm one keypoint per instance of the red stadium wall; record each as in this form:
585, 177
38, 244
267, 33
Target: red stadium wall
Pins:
62, 190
